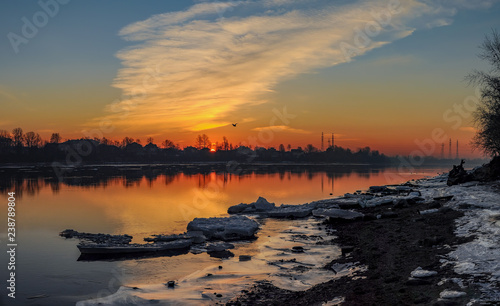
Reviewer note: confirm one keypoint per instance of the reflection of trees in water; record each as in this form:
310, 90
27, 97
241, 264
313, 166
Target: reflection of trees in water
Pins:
281, 174
365, 175
31, 186
170, 178
32, 181
54, 186
22, 186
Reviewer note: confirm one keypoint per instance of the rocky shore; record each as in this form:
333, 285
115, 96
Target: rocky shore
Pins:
391, 248
400, 239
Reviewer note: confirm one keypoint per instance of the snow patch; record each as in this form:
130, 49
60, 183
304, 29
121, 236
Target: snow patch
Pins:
421, 273
450, 294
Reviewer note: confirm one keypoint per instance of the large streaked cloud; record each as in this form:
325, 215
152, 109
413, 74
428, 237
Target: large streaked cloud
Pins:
194, 69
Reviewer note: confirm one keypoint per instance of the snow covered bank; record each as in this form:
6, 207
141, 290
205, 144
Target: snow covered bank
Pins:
478, 260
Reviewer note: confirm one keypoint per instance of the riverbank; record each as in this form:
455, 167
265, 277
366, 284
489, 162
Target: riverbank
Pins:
457, 239
419, 243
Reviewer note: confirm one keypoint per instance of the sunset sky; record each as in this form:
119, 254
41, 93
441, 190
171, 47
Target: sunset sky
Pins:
383, 74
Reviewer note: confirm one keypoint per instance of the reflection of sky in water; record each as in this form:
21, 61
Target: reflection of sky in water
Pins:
141, 206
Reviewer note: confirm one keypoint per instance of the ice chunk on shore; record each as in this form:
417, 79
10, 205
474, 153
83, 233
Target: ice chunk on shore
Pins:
263, 205
377, 202
337, 203
264, 208
428, 211
296, 211
421, 273
450, 294
258, 206
231, 228
236, 209
336, 213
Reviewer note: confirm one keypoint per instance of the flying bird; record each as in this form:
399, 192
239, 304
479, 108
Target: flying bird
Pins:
234, 124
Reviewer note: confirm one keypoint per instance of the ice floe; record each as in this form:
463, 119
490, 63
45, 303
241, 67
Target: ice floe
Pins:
226, 229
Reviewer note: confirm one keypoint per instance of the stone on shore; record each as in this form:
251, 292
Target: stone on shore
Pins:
226, 229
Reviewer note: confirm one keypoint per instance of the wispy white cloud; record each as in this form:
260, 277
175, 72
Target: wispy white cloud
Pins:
195, 69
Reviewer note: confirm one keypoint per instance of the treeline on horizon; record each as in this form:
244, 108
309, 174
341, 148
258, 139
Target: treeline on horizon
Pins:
29, 147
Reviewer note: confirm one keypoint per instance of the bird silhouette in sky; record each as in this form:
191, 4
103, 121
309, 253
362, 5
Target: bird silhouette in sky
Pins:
234, 124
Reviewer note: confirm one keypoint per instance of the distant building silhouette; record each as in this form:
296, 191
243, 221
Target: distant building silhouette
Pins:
449, 155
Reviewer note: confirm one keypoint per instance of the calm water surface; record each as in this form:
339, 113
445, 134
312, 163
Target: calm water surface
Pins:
140, 206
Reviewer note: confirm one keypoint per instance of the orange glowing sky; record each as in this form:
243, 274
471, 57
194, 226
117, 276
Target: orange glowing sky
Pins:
178, 69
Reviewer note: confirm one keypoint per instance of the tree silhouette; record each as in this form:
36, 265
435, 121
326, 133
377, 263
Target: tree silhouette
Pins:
168, 144
487, 115
310, 148
127, 140
32, 139
202, 141
18, 136
225, 143
106, 141
5, 139
149, 140
55, 138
